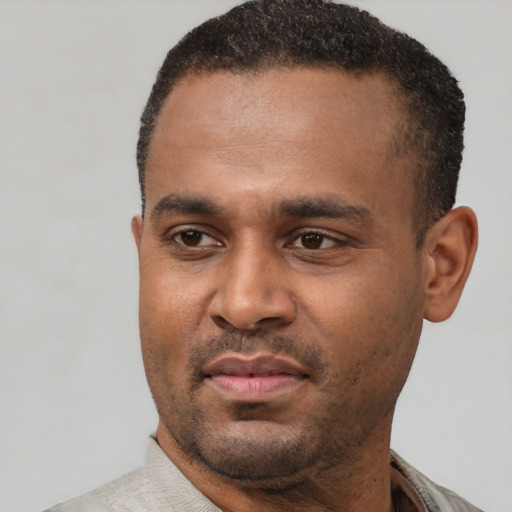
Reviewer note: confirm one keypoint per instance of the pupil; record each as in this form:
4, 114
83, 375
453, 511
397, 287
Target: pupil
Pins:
191, 237
312, 241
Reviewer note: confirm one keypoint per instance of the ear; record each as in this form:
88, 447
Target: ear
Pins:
137, 230
450, 248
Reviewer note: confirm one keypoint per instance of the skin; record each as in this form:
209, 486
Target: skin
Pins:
278, 227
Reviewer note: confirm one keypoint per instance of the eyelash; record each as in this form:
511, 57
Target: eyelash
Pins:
172, 238
335, 241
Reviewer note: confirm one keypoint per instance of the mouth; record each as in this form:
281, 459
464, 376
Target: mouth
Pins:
253, 379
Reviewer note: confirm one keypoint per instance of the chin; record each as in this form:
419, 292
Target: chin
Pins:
259, 455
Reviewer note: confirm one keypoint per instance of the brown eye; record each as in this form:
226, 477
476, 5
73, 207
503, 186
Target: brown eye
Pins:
312, 240
190, 238
195, 238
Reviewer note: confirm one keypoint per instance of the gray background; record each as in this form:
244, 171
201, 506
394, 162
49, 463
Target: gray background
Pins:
74, 405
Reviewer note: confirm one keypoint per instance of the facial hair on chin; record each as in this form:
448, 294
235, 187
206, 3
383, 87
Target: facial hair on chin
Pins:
273, 458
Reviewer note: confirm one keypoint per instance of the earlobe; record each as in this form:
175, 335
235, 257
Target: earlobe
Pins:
137, 230
450, 246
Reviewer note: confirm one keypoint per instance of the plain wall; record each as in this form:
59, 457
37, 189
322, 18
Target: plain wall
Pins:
75, 410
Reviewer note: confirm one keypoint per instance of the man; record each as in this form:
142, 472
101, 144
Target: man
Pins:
298, 164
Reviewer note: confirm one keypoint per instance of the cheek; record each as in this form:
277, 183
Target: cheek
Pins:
159, 316
370, 349
168, 300
172, 318
366, 318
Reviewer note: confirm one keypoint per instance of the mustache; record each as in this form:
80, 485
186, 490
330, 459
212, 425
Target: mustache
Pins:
304, 352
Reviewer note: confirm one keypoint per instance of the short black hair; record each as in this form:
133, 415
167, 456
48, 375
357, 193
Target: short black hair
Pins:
261, 34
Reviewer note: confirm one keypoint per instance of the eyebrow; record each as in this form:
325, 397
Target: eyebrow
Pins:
301, 207
187, 205
337, 208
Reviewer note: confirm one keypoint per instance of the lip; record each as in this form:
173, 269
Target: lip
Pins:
253, 378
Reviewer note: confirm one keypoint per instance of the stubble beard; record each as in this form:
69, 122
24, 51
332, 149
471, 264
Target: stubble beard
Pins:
261, 454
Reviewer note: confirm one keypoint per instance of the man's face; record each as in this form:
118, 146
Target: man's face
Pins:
281, 293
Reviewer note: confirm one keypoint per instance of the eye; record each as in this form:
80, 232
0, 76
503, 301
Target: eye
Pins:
194, 238
314, 241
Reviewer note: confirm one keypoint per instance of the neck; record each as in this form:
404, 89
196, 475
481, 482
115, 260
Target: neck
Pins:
362, 483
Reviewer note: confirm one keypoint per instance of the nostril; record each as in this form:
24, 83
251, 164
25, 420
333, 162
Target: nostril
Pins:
248, 305
263, 323
221, 322
269, 320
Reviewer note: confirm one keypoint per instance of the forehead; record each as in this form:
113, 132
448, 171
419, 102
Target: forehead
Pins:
305, 125
322, 95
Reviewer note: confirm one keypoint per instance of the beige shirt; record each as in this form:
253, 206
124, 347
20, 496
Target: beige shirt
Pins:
159, 486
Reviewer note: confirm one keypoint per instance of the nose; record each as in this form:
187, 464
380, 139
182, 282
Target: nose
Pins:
252, 292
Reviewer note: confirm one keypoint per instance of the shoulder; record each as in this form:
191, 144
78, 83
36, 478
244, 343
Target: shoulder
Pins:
130, 492
435, 497
157, 486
